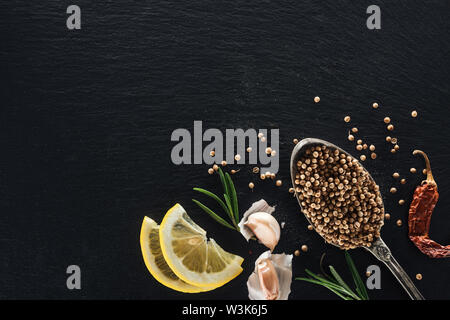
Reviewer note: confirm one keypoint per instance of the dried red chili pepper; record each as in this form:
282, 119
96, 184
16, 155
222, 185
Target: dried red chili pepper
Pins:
424, 200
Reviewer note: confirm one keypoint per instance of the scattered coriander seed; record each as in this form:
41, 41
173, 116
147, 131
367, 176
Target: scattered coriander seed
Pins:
310, 227
372, 147
223, 163
351, 137
368, 274
347, 118
304, 248
401, 202
403, 181
251, 185
212, 153
215, 167
396, 175
359, 147
262, 176
234, 171
419, 276
291, 190
263, 139
393, 190
387, 120
363, 157
273, 153
394, 140
365, 146
396, 147
399, 222
424, 171
387, 216
390, 127
272, 176
249, 149
295, 141
375, 105
237, 157
316, 99
297, 253
393, 151
359, 141
255, 170
373, 155
268, 150
260, 135
210, 170
388, 139
414, 114
413, 170
354, 130
278, 183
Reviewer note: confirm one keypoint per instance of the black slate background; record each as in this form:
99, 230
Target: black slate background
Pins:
86, 118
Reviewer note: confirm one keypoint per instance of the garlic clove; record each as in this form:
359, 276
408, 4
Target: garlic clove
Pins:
265, 228
247, 229
266, 288
268, 279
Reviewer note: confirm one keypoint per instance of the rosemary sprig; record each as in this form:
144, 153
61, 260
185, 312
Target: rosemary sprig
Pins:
230, 205
337, 285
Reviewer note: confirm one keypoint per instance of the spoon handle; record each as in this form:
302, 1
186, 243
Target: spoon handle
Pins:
381, 251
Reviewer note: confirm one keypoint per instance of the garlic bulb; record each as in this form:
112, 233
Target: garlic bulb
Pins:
258, 223
272, 277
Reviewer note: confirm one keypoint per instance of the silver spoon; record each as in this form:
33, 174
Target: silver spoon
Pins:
379, 249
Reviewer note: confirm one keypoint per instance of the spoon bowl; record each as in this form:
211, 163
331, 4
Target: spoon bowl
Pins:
378, 248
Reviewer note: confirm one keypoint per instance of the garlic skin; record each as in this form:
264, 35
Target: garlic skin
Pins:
265, 228
271, 278
268, 279
259, 223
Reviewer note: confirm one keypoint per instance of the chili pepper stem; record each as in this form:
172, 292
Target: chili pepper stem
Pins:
430, 178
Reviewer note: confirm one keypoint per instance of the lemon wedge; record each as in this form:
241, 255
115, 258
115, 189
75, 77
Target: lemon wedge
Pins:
191, 256
155, 263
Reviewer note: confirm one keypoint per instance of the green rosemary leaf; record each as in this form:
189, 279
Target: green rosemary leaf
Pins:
341, 281
212, 195
326, 282
233, 197
335, 289
213, 215
228, 202
224, 181
356, 278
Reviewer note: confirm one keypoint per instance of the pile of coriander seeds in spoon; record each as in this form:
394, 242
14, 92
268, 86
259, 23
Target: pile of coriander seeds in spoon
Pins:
339, 197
